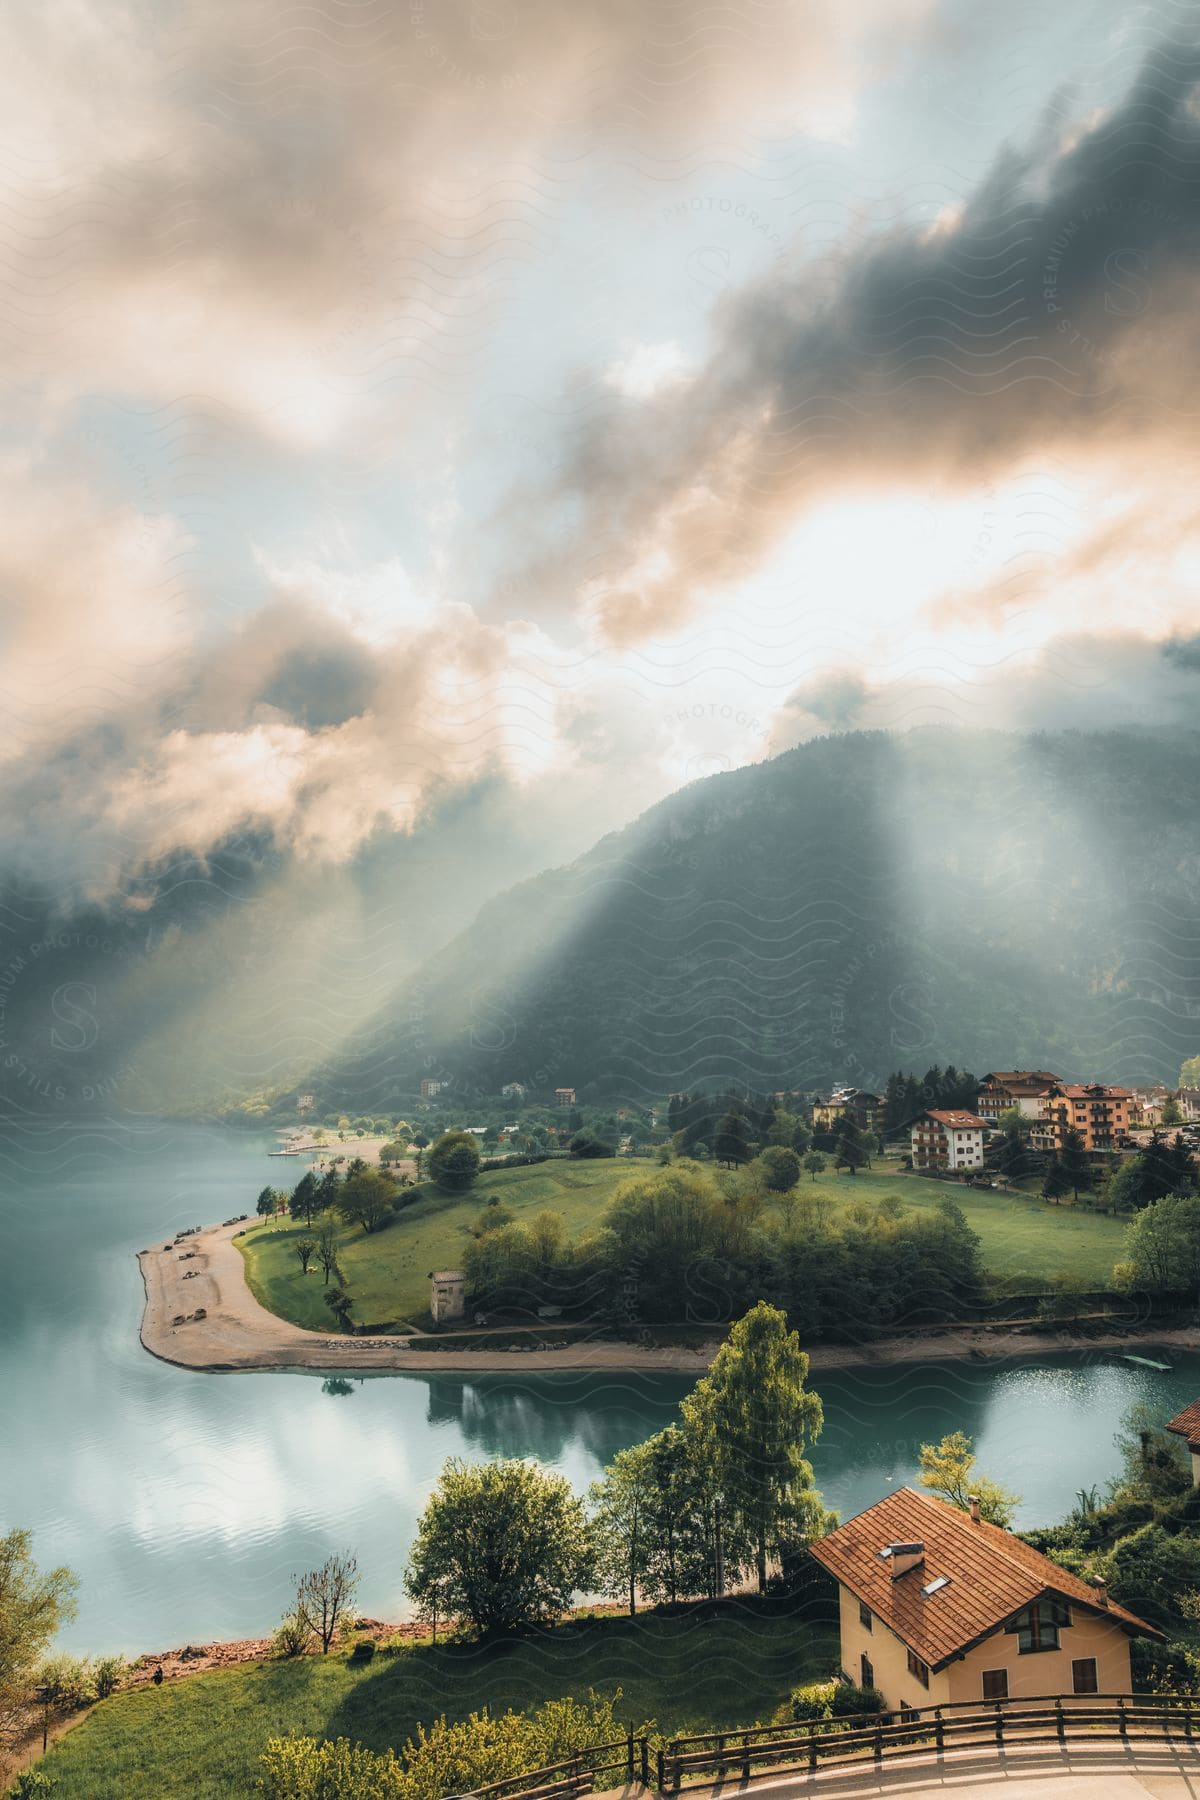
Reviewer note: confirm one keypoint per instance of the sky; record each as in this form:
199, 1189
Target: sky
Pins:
426, 418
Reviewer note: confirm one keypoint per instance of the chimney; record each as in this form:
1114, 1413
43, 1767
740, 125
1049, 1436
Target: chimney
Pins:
973, 1503
1101, 1590
903, 1557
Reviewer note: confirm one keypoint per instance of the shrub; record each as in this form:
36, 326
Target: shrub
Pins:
30, 1783
69, 1680
443, 1758
362, 1651
107, 1675
834, 1698
292, 1637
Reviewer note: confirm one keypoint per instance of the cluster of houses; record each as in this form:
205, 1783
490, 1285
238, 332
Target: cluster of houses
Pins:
955, 1138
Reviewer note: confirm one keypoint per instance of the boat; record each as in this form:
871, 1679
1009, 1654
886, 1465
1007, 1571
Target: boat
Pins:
1146, 1362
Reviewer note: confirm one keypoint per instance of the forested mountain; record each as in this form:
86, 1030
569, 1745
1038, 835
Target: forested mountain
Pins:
865, 902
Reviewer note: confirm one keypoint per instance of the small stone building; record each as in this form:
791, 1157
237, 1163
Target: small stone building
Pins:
447, 1301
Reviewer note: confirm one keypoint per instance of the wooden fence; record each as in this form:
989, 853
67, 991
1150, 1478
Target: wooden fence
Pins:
859, 1739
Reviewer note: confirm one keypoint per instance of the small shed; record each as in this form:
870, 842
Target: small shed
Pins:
447, 1301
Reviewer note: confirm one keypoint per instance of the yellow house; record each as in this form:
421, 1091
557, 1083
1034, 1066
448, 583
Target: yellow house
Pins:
1187, 1425
938, 1606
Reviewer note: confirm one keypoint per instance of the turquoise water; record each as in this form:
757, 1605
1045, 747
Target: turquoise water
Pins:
184, 1501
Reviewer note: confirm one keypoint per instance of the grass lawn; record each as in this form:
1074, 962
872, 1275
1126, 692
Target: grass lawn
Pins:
700, 1668
1026, 1241
388, 1270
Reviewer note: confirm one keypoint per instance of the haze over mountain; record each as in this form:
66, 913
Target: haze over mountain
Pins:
861, 903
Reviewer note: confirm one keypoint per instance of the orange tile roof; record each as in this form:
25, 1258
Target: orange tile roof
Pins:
992, 1575
1187, 1425
959, 1121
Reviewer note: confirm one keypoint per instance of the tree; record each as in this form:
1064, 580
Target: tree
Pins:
732, 1144
267, 1203
748, 1418
814, 1162
1172, 1112
306, 1198
325, 1596
621, 1522
327, 1246
304, 1248
367, 1198
33, 1605
850, 1151
1189, 1074
454, 1160
1057, 1181
780, 1167
948, 1470
587, 1144
1074, 1162
1162, 1246
503, 1545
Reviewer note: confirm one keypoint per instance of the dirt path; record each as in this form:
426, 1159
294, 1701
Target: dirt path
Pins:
206, 1271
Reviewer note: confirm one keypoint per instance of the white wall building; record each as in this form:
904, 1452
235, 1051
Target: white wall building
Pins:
948, 1140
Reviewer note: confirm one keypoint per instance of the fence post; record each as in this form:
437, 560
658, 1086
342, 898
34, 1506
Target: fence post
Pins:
939, 1732
746, 1757
812, 1749
879, 1740
629, 1755
1060, 1720
1122, 1725
645, 1762
662, 1780
999, 1726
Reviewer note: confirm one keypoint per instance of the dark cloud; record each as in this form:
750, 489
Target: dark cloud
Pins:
1056, 307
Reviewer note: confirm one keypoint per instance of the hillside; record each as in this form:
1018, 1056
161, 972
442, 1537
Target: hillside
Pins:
864, 902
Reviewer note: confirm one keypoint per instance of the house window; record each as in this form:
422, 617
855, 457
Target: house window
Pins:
866, 1673
864, 1616
918, 1669
1083, 1676
1037, 1626
995, 1684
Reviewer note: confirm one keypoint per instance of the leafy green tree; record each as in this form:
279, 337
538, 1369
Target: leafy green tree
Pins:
587, 1144
749, 1418
789, 1131
306, 1198
1162, 1246
454, 1160
367, 1198
1151, 1569
502, 1545
33, 1605
780, 1167
304, 1248
622, 1521
1189, 1074
948, 1470
340, 1305
849, 1152
732, 1144
267, 1203
1172, 1112
814, 1162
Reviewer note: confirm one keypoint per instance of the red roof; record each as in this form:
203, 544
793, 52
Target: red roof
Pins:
991, 1575
958, 1121
1187, 1425
1096, 1090
1022, 1081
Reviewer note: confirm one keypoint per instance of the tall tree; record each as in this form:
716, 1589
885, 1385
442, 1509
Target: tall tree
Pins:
1056, 1181
327, 1246
33, 1604
1075, 1162
621, 1522
750, 1417
850, 1151
732, 1144
306, 1198
367, 1198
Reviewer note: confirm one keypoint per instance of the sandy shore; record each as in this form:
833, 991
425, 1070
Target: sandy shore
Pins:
206, 1271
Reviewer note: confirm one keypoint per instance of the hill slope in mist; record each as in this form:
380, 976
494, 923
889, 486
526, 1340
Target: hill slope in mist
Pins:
864, 902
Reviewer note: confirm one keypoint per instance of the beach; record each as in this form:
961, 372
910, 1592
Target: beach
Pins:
206, 1271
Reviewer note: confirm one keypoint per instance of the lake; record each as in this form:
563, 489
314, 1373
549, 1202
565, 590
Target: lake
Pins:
184, 1501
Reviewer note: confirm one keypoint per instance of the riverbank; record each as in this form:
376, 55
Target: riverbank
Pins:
205, 1272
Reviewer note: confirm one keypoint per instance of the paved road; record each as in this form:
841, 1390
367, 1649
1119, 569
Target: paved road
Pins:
1100, 1774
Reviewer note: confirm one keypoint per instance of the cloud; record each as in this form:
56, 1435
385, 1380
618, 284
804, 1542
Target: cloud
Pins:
1054, 308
